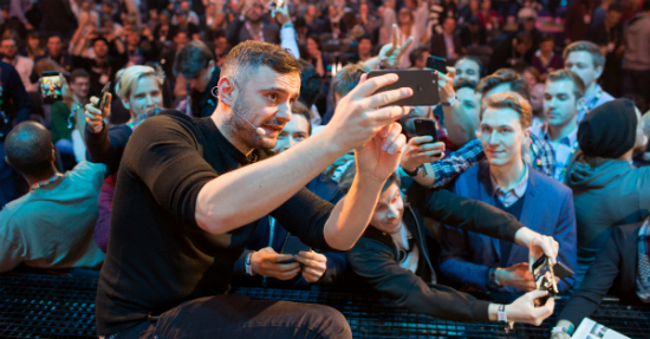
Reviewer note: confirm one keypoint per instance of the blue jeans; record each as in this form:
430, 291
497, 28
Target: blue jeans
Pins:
235, 316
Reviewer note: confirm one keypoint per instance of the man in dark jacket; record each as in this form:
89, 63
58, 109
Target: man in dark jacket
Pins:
448, 44
392, 256
15, 105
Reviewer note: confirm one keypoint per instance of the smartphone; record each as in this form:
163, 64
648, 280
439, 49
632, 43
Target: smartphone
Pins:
545, 278
51, 84
292, 246
423, 82
439, 64
103, 96
426, 127
275, 5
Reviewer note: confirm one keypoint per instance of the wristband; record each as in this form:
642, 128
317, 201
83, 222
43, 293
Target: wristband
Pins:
503, 317
249, 267
288, 25
451, 102
414, 173
559, 329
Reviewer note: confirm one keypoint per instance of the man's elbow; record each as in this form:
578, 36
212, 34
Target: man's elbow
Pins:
213, 222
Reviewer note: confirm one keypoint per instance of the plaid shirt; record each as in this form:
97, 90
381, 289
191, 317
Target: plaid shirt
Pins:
540, 156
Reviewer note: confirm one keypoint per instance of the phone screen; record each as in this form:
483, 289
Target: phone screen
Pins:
51, 85
439, 64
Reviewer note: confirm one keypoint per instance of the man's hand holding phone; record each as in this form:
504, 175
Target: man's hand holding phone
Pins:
517, 276
523, 309
421, 150
95, 116
537, 244
314, 263
446, 85
268, 263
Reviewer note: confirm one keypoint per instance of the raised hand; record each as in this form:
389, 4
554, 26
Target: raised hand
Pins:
95, 117
391, 54
380, 156
446, 84
538, 245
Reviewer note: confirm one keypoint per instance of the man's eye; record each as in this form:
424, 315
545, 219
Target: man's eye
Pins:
273, 97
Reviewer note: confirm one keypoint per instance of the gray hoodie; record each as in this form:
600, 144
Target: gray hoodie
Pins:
606, 193
637, 44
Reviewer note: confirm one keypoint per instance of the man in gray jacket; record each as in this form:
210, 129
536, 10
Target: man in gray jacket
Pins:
636, 60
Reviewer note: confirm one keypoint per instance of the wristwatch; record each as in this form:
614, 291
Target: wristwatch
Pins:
414, 173
493, 282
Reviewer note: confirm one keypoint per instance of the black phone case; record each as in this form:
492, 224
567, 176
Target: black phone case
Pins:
439, 64
423, 82
426, 127
292, 246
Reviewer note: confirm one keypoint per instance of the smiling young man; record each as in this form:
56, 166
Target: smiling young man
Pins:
190, 192
563, 99
484, 263
586, 59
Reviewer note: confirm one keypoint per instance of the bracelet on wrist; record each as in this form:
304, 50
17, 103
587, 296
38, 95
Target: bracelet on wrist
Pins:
502, 315
249, 266
451, 102
412, 173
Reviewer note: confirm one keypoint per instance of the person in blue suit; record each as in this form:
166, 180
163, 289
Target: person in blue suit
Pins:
262, 262
481, 263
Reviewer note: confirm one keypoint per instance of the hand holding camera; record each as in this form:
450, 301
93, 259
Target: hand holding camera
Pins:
98, 109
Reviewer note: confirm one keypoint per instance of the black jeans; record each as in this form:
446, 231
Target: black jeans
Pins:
234, 316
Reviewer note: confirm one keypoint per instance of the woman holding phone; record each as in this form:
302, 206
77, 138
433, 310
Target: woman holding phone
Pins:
140, 90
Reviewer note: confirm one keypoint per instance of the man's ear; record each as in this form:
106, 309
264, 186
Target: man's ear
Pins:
527, 132
580, 104
125, 103
599, 72
226, 88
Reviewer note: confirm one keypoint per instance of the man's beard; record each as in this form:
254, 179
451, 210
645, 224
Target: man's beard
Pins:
246, 133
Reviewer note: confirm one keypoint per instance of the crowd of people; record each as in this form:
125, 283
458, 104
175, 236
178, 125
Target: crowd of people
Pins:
242, 143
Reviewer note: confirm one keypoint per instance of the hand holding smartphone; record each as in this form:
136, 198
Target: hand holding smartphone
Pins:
423, 82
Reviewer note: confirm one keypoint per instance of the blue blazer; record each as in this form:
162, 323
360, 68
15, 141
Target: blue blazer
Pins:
548, 209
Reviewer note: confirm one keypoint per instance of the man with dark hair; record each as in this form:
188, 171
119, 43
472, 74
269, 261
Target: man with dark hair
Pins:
418, 58
15, 105
190, 196
196, 75
54, 51
253, 25
447, 45
511, 52
608, 35
586, 59
23, 65
468, 68
364, 49
310, 89
103, 67
30, 233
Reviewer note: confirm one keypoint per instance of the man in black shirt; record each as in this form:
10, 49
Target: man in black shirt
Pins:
189, 194
196, 75
108, 60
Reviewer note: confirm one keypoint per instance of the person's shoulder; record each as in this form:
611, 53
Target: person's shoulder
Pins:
471, 174
88, 171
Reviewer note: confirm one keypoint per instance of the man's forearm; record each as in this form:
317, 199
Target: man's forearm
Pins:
240, 197
352, 214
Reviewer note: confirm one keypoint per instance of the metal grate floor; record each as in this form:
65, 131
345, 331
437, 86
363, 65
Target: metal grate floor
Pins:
54, 306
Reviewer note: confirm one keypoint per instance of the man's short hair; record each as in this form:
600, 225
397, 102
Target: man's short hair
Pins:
475, 60
464, 83
416, 54
616, 7
513, 101
298, 108
78, 73
348, 176
348, 78
596, 54
503, 76
99, 38
565, 74
254, 54
192, 58
365, 36
547, 37
310, 83
52, 35
525, 38
28, 148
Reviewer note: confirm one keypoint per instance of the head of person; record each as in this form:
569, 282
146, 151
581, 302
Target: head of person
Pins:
547, 44
418, 57
364, 9
612, 130
210, 9
164, 17
33, 41
347, 79
585, 59
255, 13
387, 216
474, 24
449, 25
264, 102
469, 99
139, 88
296, 130
29, 150
523, 42
505, 123
405, 16
54, 44
563, 97
474, 6
100, 46
133, 37
181, 38
185, 6
486, 5
501, 81
531, 75
9, 48
468, 68
537, 100
196, 63
313, 44
311, 10
310, 84
365, 45
528, 24
614, 14
80, 83
107, 7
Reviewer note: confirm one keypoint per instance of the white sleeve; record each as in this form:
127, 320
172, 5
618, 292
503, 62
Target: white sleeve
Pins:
288, 41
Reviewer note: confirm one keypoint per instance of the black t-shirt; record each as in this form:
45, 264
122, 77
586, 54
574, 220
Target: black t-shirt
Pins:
157, 255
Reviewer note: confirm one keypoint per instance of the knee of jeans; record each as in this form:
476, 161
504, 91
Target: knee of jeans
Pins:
334, 322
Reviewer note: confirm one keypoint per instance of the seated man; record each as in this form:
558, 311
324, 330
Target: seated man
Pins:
52, 225
607, 190
393, 257
486, 264
563, 99
261, 256
622, 269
